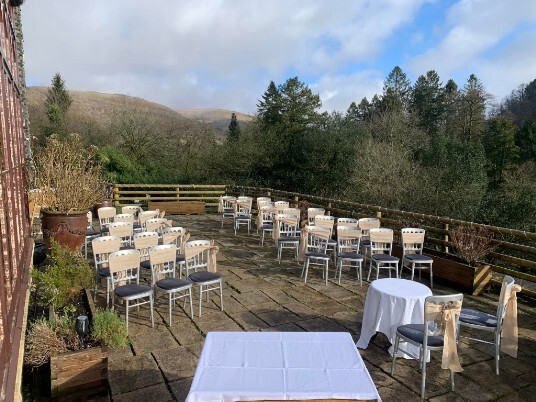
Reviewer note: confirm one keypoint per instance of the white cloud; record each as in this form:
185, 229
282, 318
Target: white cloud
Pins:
223, 53
473, 29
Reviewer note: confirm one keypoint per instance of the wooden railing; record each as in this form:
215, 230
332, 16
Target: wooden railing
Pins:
514, 256
145, 193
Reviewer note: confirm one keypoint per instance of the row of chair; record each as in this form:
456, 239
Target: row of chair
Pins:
369, 240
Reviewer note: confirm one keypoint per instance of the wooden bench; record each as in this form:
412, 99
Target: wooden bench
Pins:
179, 207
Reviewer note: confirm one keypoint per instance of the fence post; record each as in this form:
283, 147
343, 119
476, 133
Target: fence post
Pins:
116, 196
446, 237
328, 208
379, 214
178, 190
296, 200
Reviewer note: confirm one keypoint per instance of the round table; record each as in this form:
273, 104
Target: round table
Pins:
391, 302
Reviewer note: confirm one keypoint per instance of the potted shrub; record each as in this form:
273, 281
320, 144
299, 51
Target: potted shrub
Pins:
466, 269
70, 182
78, 363
106, 199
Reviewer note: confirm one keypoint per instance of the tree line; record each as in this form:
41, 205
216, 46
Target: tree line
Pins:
427, 147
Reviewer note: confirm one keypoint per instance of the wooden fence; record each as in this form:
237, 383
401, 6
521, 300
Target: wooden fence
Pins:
144, 193
514, 256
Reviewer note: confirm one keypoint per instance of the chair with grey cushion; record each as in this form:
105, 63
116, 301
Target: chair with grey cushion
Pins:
198, 261
413, 258
163, 275
492, 323
348, 238
106, 216
102, 247
365, 224
381, 246
288, 234
142, 242
316, 250
124, 270
431, 334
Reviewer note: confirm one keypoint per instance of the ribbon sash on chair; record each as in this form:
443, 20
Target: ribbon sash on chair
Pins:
190, 252
446, 315
509, 329
314, 231
259, 215
277, 219
221, 202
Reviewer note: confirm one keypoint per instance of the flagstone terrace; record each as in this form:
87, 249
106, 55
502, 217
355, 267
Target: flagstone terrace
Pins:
261, 295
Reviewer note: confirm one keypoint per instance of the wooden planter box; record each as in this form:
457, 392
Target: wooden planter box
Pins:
79, 375
82, 374
179, 207
463, 277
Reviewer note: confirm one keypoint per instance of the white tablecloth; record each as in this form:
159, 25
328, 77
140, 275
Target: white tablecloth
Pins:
389, 303
248, 366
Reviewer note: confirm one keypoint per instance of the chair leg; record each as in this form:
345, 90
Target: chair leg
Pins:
451, 380
431, 278
395, 351
200, 298
152, 313
221, 295
326, 272
170, 301
306, 269
338, 270
191, 302
497, 351
359, 267
423, 375
126, 314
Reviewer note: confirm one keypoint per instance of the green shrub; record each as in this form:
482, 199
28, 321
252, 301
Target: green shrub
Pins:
63, 280
109, 329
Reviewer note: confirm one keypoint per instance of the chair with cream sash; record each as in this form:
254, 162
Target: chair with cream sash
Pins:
281, 205
201, 258
503, 324
242, 213
365, 224
265, 220
106, 216
312, 212
313, 250
144, 216
177, 236
123, 230
347, 222
327, 221
438, 332
102, 247
225, 207
90, 232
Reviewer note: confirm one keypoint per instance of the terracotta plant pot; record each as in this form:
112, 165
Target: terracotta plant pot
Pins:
68, 230
105, 203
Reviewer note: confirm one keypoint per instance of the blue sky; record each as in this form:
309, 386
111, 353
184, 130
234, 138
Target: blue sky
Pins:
223, 53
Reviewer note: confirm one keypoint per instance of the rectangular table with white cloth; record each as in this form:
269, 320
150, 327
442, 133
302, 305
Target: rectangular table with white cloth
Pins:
253, 366
389, 303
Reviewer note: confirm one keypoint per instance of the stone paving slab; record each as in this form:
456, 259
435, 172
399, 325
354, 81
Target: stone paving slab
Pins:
262, 295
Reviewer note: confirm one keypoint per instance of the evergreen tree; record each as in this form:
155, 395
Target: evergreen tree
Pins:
501, 150
526, 141
427, 101
269, 109
473, 108
57, 104
396, 91
451, 104
234, 128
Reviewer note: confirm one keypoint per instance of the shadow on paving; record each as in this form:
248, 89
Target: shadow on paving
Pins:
262, 295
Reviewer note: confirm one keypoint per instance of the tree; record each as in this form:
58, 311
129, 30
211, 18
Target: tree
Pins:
234, 128
269, 108
473, 108
57, 104
396, 91
427, 101
501, 150
526, 140
451, 102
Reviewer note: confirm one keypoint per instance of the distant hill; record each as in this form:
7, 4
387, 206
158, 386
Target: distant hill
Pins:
219, 119
101, 106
